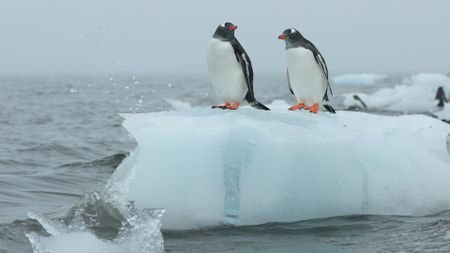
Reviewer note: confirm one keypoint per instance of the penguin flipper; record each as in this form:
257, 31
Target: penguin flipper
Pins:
329, 108
246, 65
323, 65
289, 82
321, 62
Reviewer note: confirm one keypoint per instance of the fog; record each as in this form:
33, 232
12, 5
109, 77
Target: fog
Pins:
157, 37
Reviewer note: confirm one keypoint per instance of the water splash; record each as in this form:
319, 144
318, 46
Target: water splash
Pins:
139, 230
101, 222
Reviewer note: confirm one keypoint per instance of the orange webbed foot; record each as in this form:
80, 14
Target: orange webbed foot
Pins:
234, 106
225, 106
297, 107
313, 108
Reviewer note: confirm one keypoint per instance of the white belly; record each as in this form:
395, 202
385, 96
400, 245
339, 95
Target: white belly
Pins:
225, 72
307, 78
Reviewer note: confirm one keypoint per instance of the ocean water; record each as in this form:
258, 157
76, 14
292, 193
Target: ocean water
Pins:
61, 138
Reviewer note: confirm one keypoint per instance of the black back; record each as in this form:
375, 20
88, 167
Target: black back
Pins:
440, 95
246, 65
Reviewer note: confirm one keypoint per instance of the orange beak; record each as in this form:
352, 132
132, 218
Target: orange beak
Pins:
282, 37
232, 28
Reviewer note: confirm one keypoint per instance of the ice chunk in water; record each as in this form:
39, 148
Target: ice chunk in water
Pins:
415, 95
208, 167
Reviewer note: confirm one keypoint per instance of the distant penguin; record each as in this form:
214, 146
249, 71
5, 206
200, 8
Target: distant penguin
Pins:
307, 73
230, 69
440, 95
358, 104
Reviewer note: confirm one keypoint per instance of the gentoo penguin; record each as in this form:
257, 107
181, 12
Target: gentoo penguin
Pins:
440, 95
358, 104
230, 69
307, 73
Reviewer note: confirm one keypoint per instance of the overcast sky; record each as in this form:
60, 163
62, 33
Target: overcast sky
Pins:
150, 37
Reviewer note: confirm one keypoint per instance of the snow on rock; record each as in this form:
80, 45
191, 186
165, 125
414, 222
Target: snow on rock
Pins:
358, 79
416, 94
211, 167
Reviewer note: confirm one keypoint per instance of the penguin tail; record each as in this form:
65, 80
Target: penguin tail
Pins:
255, 103
259, 106
329, 108
326, 99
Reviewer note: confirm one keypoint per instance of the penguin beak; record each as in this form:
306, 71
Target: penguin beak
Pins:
232, 28
282, 37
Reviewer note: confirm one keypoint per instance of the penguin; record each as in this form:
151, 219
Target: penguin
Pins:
358, 104
440, 95
230, 69
307, 73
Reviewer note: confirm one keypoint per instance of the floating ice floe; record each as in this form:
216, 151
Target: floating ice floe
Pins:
358, 79
211, 167
415, 95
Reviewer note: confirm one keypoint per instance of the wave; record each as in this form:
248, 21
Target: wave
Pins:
110, 163
100, 223
382, 233
52, 148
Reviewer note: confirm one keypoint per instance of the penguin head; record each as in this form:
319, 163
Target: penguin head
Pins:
225, 31
291, 37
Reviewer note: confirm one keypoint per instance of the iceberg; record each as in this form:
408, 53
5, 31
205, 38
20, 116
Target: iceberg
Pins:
364, 79
212, 167
416, 94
